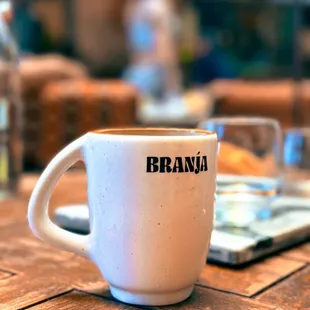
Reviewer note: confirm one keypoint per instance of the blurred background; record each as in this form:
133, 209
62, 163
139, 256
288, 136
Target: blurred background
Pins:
226, 38
88, 64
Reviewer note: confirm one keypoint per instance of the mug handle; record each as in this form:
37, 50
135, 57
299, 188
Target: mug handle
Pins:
38, 218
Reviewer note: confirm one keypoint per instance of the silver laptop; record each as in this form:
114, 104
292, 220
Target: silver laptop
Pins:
288, 226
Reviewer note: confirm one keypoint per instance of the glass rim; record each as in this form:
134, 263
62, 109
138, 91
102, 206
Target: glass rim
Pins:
298, 130
241, 120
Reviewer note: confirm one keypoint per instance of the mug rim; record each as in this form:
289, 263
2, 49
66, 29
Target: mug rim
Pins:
154, 132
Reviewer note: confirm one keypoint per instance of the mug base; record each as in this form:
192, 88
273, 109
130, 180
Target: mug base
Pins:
151, 299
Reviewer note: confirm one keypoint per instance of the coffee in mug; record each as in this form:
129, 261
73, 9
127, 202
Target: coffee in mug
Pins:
151, 204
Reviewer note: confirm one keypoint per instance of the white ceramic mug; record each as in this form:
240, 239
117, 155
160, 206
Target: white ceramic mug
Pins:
151, 200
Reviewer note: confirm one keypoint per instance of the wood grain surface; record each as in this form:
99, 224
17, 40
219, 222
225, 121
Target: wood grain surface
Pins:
249, 280
294, 293
204, 299
70, 301
301, 253
35, 275
19, 250
12, 212
28, 288
5, 275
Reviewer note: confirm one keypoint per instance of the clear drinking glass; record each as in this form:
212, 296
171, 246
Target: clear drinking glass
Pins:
249, 160
295, 178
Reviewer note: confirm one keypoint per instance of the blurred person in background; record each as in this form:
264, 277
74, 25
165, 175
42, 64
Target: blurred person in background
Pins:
28, 30
152, 31
232, 43
211, 62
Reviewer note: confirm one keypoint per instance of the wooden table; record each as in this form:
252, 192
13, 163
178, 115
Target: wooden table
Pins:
34, 275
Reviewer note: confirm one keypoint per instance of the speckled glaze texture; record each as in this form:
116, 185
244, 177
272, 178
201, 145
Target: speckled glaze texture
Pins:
150, 232
151, 205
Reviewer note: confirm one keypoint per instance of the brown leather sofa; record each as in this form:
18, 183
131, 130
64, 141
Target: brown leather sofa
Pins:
273, 99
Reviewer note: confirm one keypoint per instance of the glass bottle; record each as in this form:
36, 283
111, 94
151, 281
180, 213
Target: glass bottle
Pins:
10, 108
